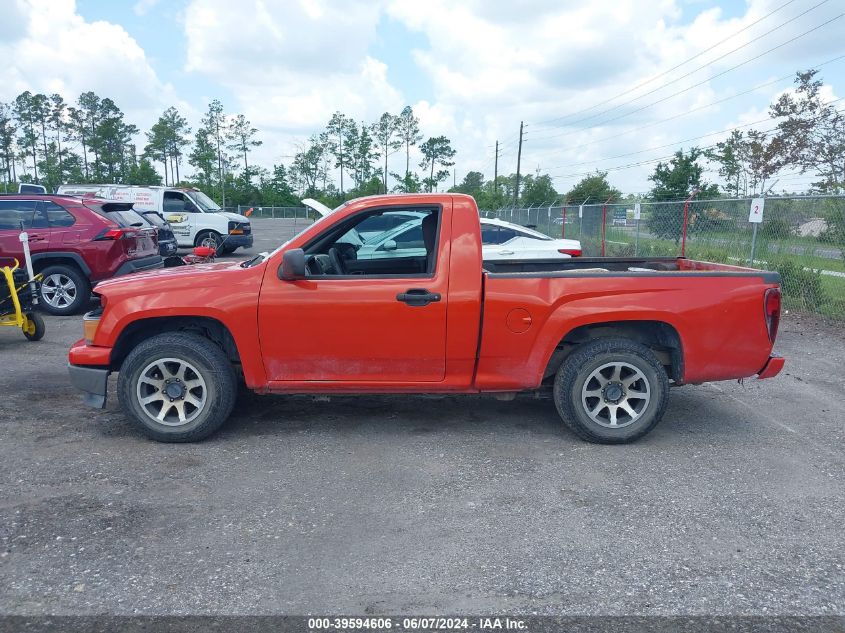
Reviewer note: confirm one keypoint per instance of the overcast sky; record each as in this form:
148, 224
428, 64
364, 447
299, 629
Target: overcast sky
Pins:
589, 78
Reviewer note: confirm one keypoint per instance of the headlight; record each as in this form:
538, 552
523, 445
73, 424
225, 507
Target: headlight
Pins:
90, 323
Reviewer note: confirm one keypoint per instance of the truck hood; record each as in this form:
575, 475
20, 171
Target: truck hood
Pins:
202, 275
235, 217
317, 206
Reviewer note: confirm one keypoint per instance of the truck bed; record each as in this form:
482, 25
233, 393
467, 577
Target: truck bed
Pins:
613, 266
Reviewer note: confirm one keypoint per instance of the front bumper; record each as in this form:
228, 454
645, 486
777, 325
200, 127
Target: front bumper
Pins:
88, 367
772, 367
238, 241
92, 382
137, 265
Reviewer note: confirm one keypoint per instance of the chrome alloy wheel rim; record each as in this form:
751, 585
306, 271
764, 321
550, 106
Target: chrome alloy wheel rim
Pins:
171, 391
58, 290
615, 395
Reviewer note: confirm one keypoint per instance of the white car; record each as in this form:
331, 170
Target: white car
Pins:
500, 240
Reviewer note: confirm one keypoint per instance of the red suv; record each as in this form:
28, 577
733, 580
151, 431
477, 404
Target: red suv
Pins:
75, 243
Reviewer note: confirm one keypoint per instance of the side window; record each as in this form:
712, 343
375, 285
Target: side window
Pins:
409, 248
531, 236
495, 234
489, 234
13, 212
177, 202
173, 203
410, 238
56, 215
506, 234
190, 205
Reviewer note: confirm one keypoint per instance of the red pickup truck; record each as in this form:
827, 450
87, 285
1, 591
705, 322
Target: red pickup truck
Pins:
606, 336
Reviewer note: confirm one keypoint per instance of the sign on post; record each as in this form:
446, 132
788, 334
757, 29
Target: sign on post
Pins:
755, 214
580, 210
637, 211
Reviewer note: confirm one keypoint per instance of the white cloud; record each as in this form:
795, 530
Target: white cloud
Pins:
555, 64
143, 7
55, 50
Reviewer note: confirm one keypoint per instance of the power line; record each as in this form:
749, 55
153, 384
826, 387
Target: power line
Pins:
695, 138
704, 107
662, 158
720, 74
666, 72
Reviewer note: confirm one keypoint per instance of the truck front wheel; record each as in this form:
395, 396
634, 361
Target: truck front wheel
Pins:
212, 239
611, 391
177, 387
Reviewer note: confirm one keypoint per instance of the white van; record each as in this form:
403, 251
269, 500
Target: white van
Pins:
195, 218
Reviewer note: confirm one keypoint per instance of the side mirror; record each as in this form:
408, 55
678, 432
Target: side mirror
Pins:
293, 265
389, 245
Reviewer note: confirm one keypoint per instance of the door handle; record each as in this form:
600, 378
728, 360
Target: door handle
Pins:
37, 238
505, 252
418, 297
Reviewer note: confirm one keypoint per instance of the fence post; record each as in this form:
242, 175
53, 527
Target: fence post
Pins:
563, 225
686, 218
753, 243
604, 223
637, 213
754, 234
581, 221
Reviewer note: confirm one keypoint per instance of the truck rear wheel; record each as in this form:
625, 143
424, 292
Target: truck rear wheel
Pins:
64, 290
611, 391
177, 387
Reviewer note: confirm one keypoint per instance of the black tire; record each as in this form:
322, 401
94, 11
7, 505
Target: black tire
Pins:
51, 302
573, 400
205, 359
40, 327
205, 238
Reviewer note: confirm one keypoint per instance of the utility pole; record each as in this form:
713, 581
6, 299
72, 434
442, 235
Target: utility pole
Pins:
518, 159
496, 170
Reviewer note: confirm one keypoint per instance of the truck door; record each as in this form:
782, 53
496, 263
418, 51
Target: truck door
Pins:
370, 320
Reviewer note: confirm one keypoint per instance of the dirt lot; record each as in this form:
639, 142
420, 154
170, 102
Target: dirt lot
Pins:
735, 504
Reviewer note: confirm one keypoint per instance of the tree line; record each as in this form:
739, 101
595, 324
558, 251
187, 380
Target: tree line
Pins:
45, 140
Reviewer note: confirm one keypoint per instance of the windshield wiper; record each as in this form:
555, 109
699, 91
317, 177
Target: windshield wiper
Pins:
251, 261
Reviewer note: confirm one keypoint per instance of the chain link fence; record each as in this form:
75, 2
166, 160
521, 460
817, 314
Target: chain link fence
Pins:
285, 213
803, 238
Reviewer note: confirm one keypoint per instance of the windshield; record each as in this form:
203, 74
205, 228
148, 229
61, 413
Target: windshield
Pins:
203, 201
318, 221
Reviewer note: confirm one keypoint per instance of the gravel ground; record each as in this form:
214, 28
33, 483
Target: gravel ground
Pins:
733, 505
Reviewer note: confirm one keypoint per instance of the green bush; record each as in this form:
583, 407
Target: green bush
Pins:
777, 228
803, 286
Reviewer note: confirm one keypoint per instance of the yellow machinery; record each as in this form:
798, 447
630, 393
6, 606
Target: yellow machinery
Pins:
19, 296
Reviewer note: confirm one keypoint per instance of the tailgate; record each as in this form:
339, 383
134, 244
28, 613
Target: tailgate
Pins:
141, 242
140, 236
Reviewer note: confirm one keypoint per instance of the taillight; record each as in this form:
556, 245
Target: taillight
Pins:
111, 234
572, 252
771, 310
